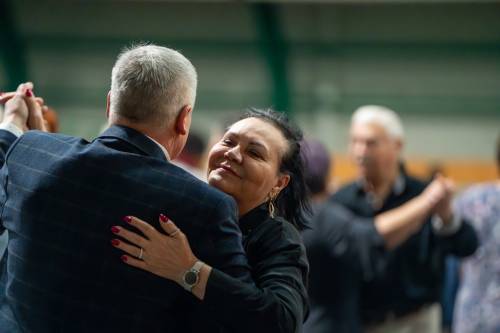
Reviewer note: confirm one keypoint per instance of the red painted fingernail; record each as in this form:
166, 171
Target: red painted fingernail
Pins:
29, 93
127, 219
163, 218
115, 242
124, 258
115, 230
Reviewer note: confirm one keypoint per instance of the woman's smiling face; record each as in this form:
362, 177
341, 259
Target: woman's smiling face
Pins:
245, 162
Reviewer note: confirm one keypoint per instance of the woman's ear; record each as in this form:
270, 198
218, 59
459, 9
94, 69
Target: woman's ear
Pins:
183, 121
281, 183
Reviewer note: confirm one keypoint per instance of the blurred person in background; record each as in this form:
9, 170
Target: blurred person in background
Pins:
3, 237
393, 254
451, 270
191, 157
317, 165
477, 309
345, 250
51, 120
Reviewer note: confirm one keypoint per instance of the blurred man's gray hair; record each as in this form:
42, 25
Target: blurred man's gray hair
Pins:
382, 116
151, 84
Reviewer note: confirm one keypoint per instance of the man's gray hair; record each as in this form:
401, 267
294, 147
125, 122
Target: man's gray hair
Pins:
382, 116
150, 84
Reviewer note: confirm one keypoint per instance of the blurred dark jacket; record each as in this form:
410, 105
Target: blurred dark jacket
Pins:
343, 250
379, 283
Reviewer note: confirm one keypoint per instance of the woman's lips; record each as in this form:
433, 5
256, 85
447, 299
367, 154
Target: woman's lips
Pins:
229, 169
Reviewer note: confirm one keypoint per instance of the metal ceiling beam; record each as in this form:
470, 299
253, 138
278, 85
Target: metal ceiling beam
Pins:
275, 51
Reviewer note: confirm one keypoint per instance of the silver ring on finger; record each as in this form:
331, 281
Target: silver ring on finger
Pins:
140, 254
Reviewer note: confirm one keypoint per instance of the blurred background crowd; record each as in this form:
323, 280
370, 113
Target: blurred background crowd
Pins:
435, 63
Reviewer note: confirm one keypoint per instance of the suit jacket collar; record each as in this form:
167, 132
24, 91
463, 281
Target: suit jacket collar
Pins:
135, 138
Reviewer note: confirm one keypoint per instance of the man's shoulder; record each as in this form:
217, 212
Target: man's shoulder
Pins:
346, 192
36, 145
183, 192
201, 190
39, 135
46, 141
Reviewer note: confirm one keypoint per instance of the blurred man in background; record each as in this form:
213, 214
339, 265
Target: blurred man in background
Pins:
191, 157
376, 258
402, 295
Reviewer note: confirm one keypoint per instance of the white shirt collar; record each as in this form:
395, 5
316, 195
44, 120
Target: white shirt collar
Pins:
163, 149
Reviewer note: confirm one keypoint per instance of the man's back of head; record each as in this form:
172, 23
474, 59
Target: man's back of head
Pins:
151, 88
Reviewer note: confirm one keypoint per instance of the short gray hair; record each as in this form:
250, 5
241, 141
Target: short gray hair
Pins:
150, 84
382, 116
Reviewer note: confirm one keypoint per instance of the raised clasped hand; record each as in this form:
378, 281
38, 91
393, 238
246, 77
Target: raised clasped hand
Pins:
23, 109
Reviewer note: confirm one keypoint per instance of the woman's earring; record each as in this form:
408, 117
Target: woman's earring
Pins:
271, 207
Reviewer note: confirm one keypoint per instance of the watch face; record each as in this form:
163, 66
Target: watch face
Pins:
190, 278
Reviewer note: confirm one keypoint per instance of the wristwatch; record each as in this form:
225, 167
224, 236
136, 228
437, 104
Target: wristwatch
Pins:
442, 229
192, 276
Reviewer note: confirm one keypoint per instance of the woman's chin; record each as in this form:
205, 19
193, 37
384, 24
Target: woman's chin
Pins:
218, 182
225, 186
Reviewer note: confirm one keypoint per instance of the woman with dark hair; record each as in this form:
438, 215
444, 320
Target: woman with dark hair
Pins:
258, 163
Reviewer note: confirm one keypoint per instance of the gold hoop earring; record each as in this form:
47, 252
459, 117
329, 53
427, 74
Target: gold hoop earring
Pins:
271, 207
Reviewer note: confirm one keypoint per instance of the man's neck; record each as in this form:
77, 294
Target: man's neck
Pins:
147, 130
380, 187
163, 149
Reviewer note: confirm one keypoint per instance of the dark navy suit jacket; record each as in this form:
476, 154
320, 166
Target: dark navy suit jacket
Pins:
59, 196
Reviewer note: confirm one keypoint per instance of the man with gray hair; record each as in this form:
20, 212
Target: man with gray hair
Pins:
382, 239
62, 196
403, 295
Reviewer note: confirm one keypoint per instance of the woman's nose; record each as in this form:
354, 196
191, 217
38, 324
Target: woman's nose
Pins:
234, 154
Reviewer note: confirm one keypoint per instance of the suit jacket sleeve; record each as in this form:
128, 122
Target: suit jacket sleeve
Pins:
277, 302
6, 141
227, 253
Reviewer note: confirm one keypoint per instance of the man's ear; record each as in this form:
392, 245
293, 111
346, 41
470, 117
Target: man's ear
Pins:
399, 145
108, 102
183, 120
